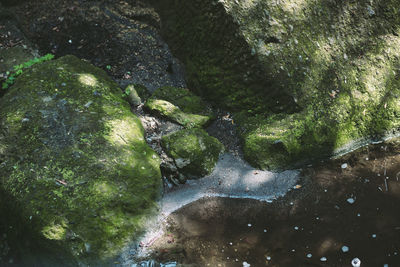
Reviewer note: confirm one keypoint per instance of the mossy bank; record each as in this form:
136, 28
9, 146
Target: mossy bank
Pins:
307, 78
74, 160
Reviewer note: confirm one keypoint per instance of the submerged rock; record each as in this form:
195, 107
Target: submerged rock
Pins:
310, 79
195, 152
82, 175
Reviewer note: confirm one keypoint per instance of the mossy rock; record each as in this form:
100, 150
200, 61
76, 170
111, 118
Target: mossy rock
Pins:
326, 73
181, 106
137, 93
195, 152
74, 158
173, 113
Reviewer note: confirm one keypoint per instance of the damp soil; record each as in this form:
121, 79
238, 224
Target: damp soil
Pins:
352, 202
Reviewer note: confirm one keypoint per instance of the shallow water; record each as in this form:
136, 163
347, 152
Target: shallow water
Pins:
344, 209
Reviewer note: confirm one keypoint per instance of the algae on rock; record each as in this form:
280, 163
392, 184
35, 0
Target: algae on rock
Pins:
74, 158
195, 152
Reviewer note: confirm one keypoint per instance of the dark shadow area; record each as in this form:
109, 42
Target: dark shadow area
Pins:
218, 61
19, 246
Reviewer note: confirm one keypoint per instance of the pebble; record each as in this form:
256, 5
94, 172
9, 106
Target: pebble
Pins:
249, 225
356, 262
345, 249
373, 235
265, 230
245, 264
344, 166
309, 255
268, 258
296, 228
386, 265
350, 200
323, 259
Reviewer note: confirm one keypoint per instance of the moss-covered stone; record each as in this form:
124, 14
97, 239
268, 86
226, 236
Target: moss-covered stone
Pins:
74, 158
309, 77
195, 152
180, 105
173, 113
132, 95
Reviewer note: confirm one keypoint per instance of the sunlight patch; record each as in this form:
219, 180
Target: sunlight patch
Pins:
88, 79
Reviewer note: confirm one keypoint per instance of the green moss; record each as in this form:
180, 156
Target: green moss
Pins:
75, 159
183, 99
322, 74
195, 152
173, 113
181, 106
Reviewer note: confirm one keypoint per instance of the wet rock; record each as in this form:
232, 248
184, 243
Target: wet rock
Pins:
59, 194
195, 152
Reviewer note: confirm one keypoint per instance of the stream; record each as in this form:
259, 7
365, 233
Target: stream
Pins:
323, 215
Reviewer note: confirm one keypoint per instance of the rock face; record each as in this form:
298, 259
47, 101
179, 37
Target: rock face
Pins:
195, 152
74, 159
307, 78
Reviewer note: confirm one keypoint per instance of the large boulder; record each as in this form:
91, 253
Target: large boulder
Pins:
309, 78
74, 159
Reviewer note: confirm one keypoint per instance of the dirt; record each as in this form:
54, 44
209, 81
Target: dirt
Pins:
315, 219
122, 37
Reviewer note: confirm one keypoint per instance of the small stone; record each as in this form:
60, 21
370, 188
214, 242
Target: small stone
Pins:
296, 228
265, 230
344, 166
345, 249
323, 259
245, 264
309, 255
373, 235
350, 200
268, 258
356, 262
249, 225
